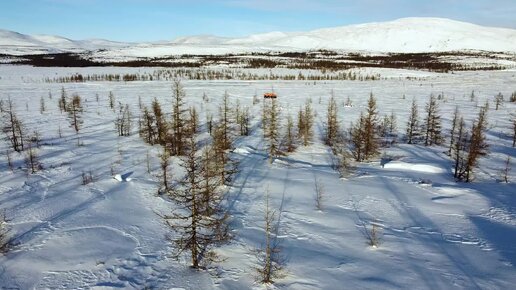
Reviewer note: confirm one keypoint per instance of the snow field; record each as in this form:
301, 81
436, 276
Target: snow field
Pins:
435, 233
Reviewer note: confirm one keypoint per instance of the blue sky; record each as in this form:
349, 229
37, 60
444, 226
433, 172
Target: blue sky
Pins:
146, 20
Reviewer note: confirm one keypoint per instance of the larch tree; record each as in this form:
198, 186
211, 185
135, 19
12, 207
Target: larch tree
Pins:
146, 126
413, 132
357, 138
432, 125
370, 130
164, 164
62, 103
269, 258
243, 120
305, 122
460, 138
178, 118
13, 127
478, 146
42, 106
123, 121
200, 222
453, 130
393, 126
6, 240
75, 109
470, 147
225, 167
272, 129
498, 101
290, 135
31, 159
226, 122
160, 122
111, 99
332, 122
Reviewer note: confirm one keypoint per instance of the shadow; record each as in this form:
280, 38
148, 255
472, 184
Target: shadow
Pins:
452, 252
442, 197
500, 236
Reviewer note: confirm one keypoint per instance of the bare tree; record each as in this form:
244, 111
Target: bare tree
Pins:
506, 170
193, 120
225, 122
209, 122
147, 127
123, 121
9, 160
453, 130
243, 121
42, 106
357, 138
111, 99
472, 97
165, 164
74, 109
290, 142
62, 103
459, 147
225, 167
514, 131
498, 101
269, 259
13, 127
319, 194
6, 241
31, 159
393, 127
305, 121
373, 235
332, 122
159, 122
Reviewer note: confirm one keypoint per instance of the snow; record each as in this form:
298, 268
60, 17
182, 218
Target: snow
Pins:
402, 35
435, 233
415, 167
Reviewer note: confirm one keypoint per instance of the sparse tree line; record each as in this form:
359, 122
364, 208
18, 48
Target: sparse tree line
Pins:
467, 144
212, 74
367, 135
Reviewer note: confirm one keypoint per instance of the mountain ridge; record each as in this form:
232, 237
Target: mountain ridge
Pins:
405, 35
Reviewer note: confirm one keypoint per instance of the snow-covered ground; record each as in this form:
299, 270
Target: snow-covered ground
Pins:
435, 233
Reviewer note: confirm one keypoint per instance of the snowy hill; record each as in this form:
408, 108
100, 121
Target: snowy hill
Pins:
403, 35
19, 44
406, 35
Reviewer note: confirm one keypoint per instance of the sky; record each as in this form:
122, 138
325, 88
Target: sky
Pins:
153, 20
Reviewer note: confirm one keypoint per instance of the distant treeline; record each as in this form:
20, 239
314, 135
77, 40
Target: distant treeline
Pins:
213, 74
322, 60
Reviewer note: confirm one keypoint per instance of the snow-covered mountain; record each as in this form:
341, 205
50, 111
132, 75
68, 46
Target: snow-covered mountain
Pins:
18, 44
404, 35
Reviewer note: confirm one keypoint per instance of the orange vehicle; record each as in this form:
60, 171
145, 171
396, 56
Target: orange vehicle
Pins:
270, 95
